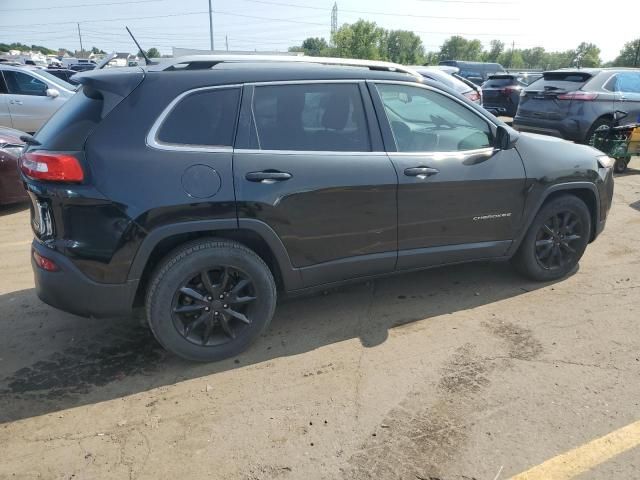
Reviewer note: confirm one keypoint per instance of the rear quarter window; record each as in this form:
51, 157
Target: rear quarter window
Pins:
205, 118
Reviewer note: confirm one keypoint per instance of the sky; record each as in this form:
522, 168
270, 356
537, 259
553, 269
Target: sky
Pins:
275, 25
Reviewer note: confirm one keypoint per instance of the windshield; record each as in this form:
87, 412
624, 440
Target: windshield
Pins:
58, 81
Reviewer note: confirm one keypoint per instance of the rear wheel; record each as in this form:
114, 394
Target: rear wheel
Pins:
210, 300
556, 240
601, 123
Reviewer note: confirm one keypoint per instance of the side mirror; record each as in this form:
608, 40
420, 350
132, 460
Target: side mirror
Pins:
506, 138
52, 93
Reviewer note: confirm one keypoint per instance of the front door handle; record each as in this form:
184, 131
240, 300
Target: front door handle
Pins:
268, 176
420, 172
16, 102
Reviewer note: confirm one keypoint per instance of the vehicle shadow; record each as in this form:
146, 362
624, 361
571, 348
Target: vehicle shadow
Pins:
50, 360
13, 208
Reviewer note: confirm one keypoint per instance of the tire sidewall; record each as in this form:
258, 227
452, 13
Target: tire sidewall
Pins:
187, 263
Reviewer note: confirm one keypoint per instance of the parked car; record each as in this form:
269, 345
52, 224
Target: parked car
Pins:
477, 72
29, 96
11, 187
203, 188
64, 74
439, 75
501, 92
82, 67
573, 103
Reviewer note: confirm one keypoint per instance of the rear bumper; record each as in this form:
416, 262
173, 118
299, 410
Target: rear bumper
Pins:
71, 291
566, 128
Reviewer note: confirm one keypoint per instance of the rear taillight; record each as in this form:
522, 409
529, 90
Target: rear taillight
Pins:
578, 95
473, 96
51, 166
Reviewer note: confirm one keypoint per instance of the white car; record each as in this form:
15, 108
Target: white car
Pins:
29, 96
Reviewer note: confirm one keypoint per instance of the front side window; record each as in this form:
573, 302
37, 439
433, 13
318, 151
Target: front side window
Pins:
426, 121
310, 117
19, 83
205, 118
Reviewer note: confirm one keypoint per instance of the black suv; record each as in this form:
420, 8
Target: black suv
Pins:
203, 188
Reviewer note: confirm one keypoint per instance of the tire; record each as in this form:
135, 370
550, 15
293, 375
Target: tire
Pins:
621, 165
601, 122
185, 317
549, 253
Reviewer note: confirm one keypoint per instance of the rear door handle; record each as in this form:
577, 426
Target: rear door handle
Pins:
420, 172
268, 176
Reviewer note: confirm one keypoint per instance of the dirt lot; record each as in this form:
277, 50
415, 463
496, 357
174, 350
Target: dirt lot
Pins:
468, 372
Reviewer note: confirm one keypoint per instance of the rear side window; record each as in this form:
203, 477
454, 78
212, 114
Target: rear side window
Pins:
203, 118
627, 82
310, 117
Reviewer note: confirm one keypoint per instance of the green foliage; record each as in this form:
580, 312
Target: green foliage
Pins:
5, 47
629, 55
587, 55
153, 53
403, 46
496, 47
459, 48
97, 51
360, 40
314, 46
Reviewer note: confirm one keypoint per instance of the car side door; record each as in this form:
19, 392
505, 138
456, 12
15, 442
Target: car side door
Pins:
5, 116
459, 197
309, 165
29, 104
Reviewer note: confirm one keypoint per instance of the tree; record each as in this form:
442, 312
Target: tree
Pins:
495, 49
629, 55
459, 48
586, 55
403, 46
359, 40
151, 53
534, 57
431, 58
314, 46
97, 51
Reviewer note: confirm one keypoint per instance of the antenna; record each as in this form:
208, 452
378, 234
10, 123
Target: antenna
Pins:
144, 55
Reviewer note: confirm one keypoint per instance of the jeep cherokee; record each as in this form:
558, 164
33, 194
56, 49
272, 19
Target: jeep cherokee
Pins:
203, 188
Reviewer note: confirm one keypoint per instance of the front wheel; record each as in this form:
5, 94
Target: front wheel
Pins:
210, 300
556, 240
621, 165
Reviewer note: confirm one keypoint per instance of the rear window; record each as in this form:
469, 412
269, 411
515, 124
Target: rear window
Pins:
72, 123
203, 118
576, 77
500, 81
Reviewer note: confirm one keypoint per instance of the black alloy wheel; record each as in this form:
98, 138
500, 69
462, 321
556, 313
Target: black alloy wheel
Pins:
213, 307
558, 240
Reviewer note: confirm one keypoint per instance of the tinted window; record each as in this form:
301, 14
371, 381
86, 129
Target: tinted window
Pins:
310, 117
426, 121
3, 86
577, 77
501, 81
19, 83
203, 118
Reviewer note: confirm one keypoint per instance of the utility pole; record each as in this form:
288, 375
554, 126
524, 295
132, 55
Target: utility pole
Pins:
80, 37
211, 25
226, 41
334, 20
513, 48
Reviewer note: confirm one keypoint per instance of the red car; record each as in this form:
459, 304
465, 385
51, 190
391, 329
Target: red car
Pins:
11, 188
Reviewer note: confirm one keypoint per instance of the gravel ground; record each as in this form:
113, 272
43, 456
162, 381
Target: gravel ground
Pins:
465, 372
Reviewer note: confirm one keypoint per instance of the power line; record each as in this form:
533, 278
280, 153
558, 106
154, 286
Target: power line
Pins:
80, 5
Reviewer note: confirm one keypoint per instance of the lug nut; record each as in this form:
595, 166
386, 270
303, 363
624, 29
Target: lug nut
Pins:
221, 296
216, 313
209, 298
225, 306
206, 309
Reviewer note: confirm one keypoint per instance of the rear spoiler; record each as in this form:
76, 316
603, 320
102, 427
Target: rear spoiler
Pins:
110, 85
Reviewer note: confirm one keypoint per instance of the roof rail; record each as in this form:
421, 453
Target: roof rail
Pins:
197, 62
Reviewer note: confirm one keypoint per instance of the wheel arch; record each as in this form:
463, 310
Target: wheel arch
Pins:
253, 234
585, 191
